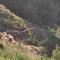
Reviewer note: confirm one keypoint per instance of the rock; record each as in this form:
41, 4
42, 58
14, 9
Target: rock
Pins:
8, 39
34, 50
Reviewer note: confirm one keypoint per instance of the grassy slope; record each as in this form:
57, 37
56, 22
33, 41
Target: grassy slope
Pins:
8, 20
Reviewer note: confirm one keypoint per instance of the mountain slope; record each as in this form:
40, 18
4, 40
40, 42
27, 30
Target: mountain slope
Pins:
30, 32
11, 23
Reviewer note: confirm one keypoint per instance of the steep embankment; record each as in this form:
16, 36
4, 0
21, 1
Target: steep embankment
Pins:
7, 40
11, 23
10, 19
19, 28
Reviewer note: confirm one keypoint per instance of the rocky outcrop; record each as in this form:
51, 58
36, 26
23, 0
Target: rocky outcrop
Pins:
7, 39
34, 50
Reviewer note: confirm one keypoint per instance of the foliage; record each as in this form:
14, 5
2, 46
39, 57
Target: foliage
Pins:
56, 53
12, 53
58, 32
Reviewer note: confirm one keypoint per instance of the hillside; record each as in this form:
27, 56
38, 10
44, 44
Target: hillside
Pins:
29, 30
11, 23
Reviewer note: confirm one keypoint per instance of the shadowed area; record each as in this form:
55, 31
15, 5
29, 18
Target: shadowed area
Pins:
41, 12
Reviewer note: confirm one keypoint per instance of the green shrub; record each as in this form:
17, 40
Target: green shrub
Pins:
56, 54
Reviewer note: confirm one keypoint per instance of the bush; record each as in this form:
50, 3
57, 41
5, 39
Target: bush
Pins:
56, 54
